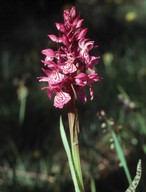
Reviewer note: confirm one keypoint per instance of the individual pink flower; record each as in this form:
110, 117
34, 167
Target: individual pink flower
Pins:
61, 98
81, 79
69, 69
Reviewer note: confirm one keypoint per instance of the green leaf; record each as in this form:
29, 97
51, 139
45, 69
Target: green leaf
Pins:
69, 156
121, 156
136, 179
93, 187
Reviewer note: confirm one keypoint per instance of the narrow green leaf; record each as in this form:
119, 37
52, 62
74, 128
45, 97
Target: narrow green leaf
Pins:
121, 156
136, 179
69, 156
93, 187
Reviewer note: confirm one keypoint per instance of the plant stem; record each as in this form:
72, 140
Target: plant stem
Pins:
74, 131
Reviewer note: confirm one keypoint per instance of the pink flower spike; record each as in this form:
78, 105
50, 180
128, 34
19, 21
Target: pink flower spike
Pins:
61, 99
70, 63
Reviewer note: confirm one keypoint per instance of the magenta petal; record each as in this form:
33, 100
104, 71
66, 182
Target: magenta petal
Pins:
89, 45
46, 71
60, 27
48, 52
49, 63
61, 99
55, 77
82, 33
81, 75
81, 79
82, 42
65, 40
55, 38
93, 61
65, 15
93, 78
79, 23
43, 79
73, 12
68, 68
50, 93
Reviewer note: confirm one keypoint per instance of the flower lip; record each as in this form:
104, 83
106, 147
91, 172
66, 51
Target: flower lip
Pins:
61, 99
81, 79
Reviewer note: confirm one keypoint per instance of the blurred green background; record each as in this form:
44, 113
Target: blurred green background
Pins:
32, 157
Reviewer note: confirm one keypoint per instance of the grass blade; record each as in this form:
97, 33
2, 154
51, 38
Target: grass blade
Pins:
69, 156
93, 187
121, 156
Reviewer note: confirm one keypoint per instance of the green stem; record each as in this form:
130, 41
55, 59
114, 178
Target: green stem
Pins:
22, 110
74, 131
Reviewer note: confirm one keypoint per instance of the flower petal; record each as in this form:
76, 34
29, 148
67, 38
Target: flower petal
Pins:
55, 77
73, 12
65, 40
68, 68
61, 99
81, 79
93, 61
93, 77
79, 23
49, 53
55, 38
60, 27
82, 33
66, 15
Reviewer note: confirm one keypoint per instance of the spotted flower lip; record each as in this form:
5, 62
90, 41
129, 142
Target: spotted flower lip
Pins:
61, 98
71, 65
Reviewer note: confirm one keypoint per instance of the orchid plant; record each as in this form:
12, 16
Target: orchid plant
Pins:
68, 70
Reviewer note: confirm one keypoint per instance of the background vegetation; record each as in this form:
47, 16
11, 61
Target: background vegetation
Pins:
32, 157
